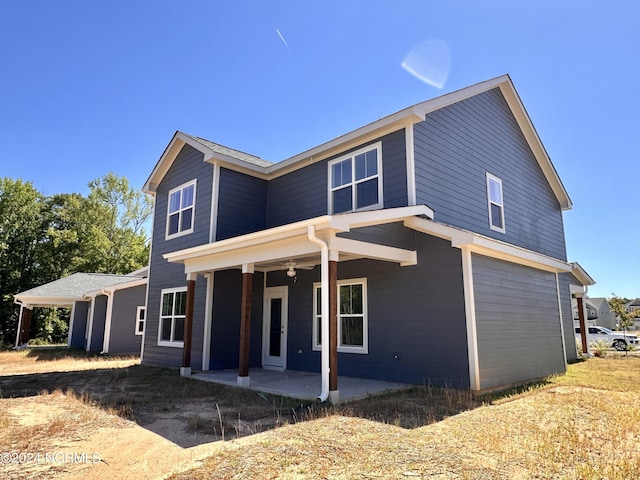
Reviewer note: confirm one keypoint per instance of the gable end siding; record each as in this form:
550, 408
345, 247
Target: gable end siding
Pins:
454, 149
188, 165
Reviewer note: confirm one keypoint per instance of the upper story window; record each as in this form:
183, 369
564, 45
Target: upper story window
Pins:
496, 203
355, 181
352, 316
173, 310
180, 211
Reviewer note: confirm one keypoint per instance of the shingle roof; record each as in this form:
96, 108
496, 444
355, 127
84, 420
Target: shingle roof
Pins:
230, 152
74, 286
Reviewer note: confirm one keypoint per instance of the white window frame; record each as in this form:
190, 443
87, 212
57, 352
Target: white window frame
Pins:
171, 342
492, 178
364, 349
140, 331
375, 146
180, 188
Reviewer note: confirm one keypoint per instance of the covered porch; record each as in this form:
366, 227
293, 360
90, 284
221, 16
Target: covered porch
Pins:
301, 385
322, 241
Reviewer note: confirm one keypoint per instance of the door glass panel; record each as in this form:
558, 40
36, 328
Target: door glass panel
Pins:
275, 329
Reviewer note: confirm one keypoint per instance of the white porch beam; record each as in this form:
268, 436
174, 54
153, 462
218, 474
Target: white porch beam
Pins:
375, 251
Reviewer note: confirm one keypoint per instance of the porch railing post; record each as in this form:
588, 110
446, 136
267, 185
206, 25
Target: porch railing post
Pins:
333, 330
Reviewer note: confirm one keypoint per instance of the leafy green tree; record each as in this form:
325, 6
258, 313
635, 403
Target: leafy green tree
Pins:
46, 238
618, 306
22, 233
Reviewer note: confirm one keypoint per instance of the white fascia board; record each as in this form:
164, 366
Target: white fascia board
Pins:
282, 249
347, 221
577, 290
489, 247
424, 108
162, 166
374, 250
581, 274
119, 286
251, 239
30, 302
340, 144
535, 143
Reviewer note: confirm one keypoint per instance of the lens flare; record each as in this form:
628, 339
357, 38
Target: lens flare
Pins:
429, 62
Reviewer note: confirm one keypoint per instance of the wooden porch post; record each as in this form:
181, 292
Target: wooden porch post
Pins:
245, 325
185, 370
25, 326
583, 328
333, 329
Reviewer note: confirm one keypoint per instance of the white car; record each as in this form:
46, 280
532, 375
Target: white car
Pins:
617, 340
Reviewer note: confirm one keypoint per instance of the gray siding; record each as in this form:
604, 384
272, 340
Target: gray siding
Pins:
457, 145
417, 331
188, 165
517, 322
99, 316
122, 338
80, 313
566, 280
242, 201
298, 195
302, 194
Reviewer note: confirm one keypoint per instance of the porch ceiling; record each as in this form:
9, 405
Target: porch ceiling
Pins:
272, 248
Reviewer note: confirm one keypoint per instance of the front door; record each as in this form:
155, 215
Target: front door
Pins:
274, 332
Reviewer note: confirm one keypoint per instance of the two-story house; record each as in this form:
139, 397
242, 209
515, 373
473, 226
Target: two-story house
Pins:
425, 247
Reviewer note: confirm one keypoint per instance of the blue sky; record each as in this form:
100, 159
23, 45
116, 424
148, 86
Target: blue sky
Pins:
88, 87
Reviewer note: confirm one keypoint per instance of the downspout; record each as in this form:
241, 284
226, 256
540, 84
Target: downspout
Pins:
324, 279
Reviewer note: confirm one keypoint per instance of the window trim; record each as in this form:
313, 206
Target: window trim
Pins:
497, 180
180, 233
373, 146
137, 330
169, 343
364, 349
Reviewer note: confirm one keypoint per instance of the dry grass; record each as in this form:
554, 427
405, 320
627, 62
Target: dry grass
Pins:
583, 425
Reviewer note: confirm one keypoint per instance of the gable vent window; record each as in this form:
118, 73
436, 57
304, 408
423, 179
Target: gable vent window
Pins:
496, 203
180, 211
356, 181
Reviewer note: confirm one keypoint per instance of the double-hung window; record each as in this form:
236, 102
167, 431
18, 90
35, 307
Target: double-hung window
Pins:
140, 313
180, 211
355, 181
352, 316
173, 309
495, 203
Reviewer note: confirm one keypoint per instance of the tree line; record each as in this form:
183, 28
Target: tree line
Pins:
44, 238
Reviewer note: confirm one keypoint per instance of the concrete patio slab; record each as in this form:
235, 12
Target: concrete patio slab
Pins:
302, 385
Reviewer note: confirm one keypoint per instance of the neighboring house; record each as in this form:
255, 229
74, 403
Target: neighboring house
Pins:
107, 311
632, 307
604, 316
426, 247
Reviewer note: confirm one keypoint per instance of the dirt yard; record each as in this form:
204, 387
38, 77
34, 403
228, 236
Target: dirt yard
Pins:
69, 417
66, 417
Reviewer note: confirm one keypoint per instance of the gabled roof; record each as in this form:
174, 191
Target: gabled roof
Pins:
581, 274
67, 290
253, 165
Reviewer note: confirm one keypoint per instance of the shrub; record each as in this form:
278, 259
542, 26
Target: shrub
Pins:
599, 348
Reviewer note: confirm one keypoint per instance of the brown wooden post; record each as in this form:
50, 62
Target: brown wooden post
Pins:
333, 326
245, 326
188, 328
583, 328
25, 326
